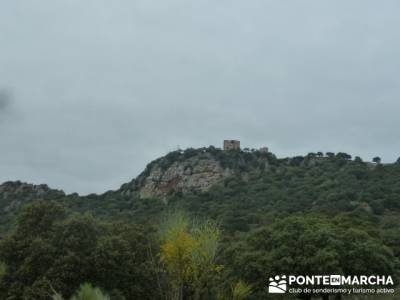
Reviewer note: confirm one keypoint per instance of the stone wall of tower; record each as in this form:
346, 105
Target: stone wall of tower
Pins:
231, 145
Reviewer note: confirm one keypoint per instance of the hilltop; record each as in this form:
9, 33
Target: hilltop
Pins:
193, 170
233, 185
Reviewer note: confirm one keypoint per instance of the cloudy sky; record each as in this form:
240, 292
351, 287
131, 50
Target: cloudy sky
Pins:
91, 91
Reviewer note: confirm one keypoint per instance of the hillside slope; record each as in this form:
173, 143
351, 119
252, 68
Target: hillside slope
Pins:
238, 187
15, 194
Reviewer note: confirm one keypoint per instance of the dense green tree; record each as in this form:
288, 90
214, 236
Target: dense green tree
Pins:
358, 159
376, 160
330, 154
308, 245
69, 250
342, 155
3, 270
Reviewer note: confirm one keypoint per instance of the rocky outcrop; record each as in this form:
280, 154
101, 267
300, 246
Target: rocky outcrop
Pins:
196, 174
15, 193
194, 170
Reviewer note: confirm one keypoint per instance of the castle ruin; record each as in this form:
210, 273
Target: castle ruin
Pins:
231, 145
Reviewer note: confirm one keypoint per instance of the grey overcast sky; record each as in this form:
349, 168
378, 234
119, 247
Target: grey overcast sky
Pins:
91, 91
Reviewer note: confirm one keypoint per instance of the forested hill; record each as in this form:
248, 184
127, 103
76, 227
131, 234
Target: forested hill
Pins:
317, 212
238, 187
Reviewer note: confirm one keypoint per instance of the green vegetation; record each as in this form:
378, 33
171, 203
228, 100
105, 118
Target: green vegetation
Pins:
188, 253
52, 248
85, 292
241, 291
313, 214
306, 244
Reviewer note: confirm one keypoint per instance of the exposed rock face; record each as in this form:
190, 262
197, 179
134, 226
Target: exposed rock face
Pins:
194, 170
197, 173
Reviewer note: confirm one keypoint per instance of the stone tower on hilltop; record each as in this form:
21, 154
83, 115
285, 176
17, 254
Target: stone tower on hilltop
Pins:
231, 145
